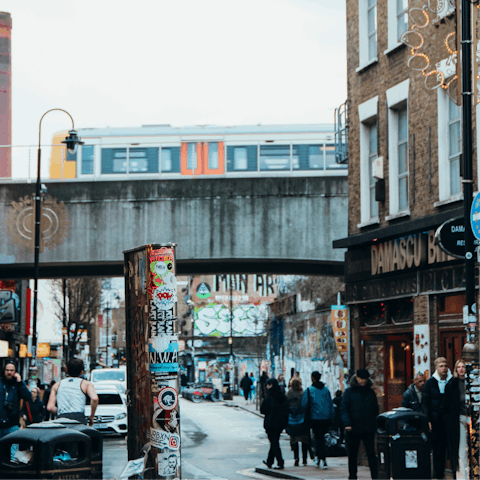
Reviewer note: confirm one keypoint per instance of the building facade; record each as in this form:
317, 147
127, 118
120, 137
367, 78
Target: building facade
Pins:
405, 295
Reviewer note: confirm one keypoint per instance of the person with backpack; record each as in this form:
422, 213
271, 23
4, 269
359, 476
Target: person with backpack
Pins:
317, 401
33, 410
276, 411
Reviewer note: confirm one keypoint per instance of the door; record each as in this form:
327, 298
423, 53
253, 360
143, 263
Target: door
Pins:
451, 344
398, 369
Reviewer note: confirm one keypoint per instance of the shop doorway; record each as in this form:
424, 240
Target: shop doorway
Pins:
398, 369
451, 344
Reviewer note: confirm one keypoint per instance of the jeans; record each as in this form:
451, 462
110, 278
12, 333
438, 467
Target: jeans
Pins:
274, 451
319, 429
6, 431
353, 443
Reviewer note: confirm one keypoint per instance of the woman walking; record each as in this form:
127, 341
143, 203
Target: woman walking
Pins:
275, 409
455, 414
33, 410
297, 427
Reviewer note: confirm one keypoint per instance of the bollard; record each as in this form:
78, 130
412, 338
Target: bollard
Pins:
152, 359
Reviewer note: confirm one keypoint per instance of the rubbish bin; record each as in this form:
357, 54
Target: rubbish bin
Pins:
97, 443
227, 393
45, 450
402, 444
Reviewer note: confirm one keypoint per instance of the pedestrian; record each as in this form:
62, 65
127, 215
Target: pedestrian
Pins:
281, 383
295, 376
455, 414
252, 388
46, 396
263, 387
33, 410
337, 423
432, 403
275, 410
12, 389
246, 385
319, 406
298, 427
412, 398
358, 412
71, 393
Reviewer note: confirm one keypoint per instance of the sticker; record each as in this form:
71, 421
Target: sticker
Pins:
168, 463
166, 420
204, 290
167, 398
163, 353
411, 460
162, 440
165, 297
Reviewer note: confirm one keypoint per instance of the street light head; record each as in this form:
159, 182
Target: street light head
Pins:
72, 141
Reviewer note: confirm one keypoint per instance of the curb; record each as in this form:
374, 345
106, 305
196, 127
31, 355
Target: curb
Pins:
276, 473
243, 408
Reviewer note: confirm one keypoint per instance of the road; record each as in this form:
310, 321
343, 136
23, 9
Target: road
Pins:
218, 442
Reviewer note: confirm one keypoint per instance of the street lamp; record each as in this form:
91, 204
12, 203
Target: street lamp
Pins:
71, 142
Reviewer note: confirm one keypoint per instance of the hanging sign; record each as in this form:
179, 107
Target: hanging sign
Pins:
340, 330
451, 237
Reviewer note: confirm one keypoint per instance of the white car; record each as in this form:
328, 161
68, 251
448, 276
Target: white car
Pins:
111, 414
100, 375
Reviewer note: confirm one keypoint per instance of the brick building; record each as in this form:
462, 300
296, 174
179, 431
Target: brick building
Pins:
405, 295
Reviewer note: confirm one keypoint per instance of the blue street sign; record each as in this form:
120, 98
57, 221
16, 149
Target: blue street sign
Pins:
475, 216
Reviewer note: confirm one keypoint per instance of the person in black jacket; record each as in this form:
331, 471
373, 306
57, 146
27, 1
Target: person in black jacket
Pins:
358, 412
432, 403
46, 396
276, 411
412, 398
246, 385
33, 410
12, 389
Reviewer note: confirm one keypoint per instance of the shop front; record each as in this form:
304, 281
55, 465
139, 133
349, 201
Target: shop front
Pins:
406, 300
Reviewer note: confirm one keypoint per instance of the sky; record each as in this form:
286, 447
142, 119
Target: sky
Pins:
116, 63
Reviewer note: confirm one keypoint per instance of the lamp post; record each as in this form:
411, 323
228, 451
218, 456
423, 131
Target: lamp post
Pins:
71, 142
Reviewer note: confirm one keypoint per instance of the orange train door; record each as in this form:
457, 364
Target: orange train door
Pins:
202, 158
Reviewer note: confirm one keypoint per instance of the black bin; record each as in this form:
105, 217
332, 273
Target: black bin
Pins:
45, 450
227, 391
402, 444
97, 443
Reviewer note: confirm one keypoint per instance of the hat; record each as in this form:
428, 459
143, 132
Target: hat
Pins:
363, 373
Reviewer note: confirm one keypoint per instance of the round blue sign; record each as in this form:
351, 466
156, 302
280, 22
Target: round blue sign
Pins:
475, 216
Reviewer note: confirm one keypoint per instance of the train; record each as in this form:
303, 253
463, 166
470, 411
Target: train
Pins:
168, 152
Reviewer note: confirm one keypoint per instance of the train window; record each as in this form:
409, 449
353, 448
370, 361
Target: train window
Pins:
143, 160
87, 159
307, 157
191, 156
275, 157
212, 155
330, 159
240, 161
315, 157
170, 159
114, 160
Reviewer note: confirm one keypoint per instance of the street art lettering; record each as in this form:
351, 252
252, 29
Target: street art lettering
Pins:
167, 398
164, 327
163, 353
165, 297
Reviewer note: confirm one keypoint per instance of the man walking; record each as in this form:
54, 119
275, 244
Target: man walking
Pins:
12, 389
412, 398
317, 401
432, 403
71, 393
246, 385
358, 412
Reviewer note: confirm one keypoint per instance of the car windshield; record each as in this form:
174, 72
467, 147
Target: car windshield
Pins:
105, 376
108, 399
119, 386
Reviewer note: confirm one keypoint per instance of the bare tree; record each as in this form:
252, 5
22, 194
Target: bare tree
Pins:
76, 301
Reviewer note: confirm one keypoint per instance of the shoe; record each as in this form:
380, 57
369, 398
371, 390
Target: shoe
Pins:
269, 466
304, 463
323, 465
317, 462
296, 462
280, 467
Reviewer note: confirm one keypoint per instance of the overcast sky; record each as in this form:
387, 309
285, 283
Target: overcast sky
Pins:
180, 62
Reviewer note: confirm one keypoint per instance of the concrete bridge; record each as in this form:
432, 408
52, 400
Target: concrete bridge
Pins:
282, 225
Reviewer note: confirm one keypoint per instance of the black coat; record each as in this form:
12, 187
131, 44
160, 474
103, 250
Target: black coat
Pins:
359, 407
246, 384
450, 415
276, 410
11, 393
37, 411
432, 400
410, 399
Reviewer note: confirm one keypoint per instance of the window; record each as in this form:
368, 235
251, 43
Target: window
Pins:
275, 157
398, 159
191, 156
402, 157
372, 156
131, 160
170, 159
454, 146
87, 159
213, 155
240, 159
372, 29
330, 161
402, 17
315, 157
397, 23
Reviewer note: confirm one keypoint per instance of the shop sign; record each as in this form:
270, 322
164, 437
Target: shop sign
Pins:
202, 365
3, 348
22, 350
43, 350
340, 330
451, 237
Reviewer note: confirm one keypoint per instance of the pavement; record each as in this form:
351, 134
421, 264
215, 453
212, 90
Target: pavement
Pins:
337, 466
